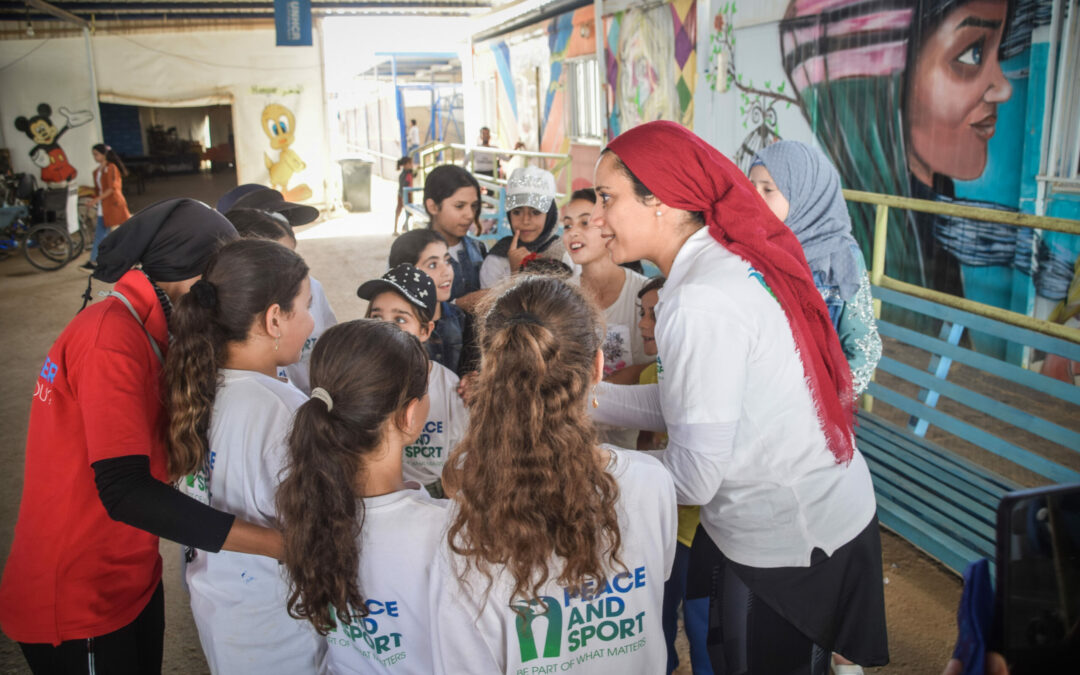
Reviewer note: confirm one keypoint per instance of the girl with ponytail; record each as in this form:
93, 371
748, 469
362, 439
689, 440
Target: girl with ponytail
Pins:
344, 495
546, 523
229, 418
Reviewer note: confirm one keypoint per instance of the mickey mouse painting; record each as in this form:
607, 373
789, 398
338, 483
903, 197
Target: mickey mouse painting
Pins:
47, 152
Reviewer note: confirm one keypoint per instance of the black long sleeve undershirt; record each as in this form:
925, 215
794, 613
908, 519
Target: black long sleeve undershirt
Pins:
133, 496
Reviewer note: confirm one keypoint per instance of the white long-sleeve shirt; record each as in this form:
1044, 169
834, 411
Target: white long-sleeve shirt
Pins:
744, 438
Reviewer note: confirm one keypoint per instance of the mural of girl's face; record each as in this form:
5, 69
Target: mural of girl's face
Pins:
954, 92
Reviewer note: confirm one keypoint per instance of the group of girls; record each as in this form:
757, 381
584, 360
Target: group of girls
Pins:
553, 549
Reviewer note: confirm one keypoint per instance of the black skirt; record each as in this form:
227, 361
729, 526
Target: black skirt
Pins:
838, 601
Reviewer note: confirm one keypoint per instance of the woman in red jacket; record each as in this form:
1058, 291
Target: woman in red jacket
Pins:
112, 208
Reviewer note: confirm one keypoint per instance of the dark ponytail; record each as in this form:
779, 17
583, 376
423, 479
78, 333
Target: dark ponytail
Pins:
111, 157
370, 371
234, 292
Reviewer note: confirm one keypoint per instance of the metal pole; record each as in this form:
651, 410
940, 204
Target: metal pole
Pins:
1059, 101
95, 106
601, 64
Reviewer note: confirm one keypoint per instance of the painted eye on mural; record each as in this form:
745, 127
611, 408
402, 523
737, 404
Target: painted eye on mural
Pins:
283, 124
272, 125
973, 55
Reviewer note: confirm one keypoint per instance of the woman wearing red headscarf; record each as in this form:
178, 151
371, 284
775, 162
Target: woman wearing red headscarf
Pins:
756, 398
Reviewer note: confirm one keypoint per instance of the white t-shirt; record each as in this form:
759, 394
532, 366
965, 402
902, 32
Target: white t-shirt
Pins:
727, 355
608, 630
400, 535
299, 373
414, 135
239, 600
623, 346
447, 421
496, 268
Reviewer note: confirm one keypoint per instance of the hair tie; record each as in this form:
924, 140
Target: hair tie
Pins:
524, 317
205, 294
324, 396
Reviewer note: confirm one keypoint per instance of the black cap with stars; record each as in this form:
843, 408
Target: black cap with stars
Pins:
408, 282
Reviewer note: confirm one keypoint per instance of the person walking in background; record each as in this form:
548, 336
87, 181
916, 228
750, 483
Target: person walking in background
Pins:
404, 180
414, 140
108, 200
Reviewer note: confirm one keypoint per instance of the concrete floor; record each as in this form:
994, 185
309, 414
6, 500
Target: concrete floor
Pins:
921, 597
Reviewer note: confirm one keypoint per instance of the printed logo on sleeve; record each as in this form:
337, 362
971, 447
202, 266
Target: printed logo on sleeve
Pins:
589, 623
43, 388
373, 636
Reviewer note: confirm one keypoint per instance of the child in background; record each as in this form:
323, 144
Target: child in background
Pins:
688, 585
344, 493
452, 343
405, 180
802, 188
406, 297
615, 290
229, 418
259, 224
534, 219
452, 200
546, 523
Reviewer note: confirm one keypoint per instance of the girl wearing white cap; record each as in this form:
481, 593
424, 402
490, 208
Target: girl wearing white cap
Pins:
533, 215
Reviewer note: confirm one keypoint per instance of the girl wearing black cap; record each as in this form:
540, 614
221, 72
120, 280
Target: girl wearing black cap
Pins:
229, 421
406, 297
82, 586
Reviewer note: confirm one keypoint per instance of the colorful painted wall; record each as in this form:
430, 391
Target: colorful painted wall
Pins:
650, 67
943, 104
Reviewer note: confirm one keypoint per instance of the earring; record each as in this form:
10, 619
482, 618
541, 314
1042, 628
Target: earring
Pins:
276, 341
595, 402
659, 213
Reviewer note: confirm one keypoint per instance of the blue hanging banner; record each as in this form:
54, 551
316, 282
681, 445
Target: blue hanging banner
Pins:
293, 21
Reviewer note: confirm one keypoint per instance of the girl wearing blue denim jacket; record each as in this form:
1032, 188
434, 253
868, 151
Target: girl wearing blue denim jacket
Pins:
802, 188
452, 200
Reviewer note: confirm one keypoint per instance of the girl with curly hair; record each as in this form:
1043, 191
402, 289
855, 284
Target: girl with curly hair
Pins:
558, 547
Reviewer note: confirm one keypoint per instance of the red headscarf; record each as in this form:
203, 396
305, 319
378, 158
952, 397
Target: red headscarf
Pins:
685, 172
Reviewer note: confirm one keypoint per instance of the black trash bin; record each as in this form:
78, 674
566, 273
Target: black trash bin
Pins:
356, 184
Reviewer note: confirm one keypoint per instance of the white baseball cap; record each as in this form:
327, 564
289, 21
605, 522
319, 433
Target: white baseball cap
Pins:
530, 186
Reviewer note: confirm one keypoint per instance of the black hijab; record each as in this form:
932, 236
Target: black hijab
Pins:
173, 240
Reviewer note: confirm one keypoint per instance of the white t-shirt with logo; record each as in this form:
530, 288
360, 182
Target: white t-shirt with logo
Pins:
239, 600
423, 459
727, 356
598, 630
400, 535
299, 373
